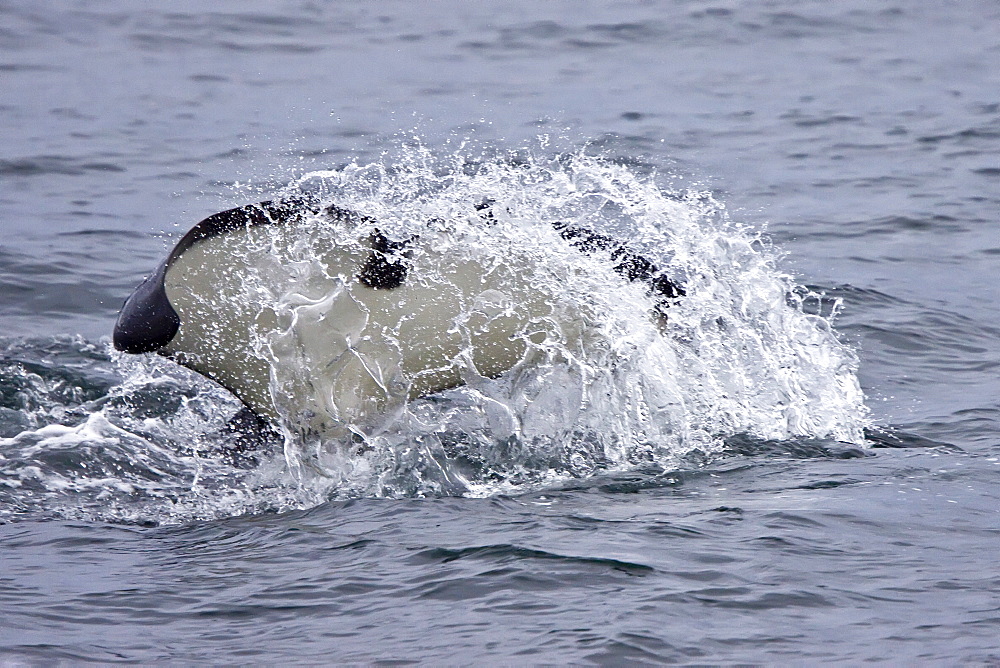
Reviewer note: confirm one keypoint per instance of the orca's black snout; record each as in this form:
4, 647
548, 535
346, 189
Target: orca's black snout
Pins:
147, 321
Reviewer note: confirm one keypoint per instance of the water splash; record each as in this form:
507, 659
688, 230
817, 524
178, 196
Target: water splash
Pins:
737, 355
608, 386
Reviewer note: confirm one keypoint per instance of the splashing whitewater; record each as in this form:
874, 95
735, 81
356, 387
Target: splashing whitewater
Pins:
737, 355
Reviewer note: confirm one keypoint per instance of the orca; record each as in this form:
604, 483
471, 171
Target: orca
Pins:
372, 320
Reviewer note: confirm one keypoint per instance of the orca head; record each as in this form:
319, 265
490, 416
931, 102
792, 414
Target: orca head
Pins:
147, 321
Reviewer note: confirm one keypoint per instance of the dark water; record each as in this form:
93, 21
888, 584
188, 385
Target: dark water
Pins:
865, 136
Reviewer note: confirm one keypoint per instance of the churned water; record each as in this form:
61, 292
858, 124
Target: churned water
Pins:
800, 463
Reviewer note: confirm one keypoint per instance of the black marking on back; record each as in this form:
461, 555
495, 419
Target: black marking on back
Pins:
628, 264
385, 267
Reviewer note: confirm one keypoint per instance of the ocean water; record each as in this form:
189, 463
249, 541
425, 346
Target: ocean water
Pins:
801, 465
